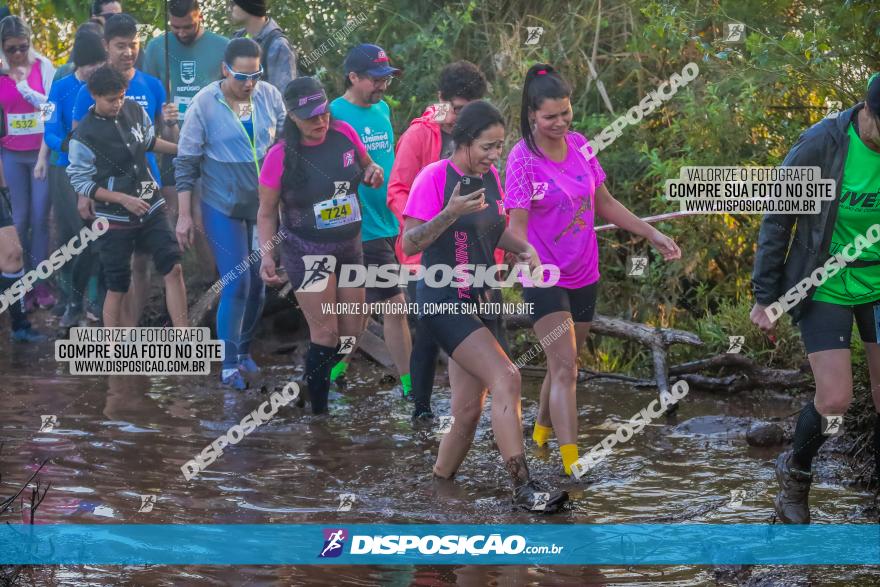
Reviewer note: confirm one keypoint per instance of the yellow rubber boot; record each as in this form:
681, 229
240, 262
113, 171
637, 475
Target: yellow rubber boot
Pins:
541, 434
569, 454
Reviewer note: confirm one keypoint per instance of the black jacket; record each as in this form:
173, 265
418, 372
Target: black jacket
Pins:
782, 260
111, 153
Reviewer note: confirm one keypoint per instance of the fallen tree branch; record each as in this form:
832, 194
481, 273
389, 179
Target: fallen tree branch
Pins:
656, 339
9, 574
372, 344
200, 312
716, 362
750, 375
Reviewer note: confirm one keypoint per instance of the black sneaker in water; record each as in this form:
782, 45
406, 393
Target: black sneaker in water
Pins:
533, 497
792, 502
423, 421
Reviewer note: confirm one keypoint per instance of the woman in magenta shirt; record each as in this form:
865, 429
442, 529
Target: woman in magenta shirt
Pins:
455, 218
554, 189
24, 86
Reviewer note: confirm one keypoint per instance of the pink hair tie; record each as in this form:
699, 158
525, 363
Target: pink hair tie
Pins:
542, 72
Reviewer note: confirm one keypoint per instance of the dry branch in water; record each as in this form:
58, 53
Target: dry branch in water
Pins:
747, 374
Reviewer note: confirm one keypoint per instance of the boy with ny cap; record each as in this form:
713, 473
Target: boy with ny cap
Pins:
277, 56
368, 73
122, 42
108, 165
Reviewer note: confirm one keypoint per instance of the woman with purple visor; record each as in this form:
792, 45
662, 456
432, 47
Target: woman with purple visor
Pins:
313, 176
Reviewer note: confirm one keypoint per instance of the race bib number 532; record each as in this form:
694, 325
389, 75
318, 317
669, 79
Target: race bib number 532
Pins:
28, 123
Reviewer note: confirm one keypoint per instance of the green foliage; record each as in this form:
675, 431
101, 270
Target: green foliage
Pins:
747, 107
732, 319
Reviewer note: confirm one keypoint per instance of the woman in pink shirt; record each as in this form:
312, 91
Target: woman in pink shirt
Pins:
554, 189
24, 85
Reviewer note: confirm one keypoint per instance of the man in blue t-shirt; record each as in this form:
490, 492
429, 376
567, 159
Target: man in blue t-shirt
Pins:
123, 46
368, 74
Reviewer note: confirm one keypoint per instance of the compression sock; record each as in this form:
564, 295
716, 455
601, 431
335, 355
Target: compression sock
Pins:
422, 365
877, 446
16, 309
808, 437
338, 370
406, 383
318, 361
542, 434
569, 454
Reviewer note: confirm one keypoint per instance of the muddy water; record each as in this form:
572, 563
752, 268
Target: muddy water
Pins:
118, 438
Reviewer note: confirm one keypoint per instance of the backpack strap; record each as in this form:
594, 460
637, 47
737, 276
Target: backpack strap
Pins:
265, 43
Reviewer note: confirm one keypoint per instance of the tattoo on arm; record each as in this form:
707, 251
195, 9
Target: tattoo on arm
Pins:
425, 234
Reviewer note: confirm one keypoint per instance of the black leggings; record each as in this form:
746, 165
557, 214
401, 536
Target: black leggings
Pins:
73, 276
422, 361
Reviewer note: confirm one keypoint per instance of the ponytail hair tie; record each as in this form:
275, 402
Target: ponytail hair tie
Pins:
541, 72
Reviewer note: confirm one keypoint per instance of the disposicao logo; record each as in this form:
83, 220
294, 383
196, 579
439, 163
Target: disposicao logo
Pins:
334, 541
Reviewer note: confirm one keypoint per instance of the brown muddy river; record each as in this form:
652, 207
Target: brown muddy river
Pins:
118, 438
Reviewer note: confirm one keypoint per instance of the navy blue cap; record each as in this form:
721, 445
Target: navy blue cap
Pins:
369, 59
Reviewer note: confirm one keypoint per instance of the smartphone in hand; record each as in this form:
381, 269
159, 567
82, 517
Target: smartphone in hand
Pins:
470, 184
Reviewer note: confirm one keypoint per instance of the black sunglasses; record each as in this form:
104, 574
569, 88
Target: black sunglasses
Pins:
17, 48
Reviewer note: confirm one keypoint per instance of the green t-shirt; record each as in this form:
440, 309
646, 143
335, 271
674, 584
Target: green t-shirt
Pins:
192, 66
373, 125
859, 209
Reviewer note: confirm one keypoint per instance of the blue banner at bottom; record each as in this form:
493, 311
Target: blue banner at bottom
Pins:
381, 544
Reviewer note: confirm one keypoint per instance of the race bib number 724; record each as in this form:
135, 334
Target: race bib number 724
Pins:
337, 211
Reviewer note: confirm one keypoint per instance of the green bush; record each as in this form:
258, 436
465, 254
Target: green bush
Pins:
747, 107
